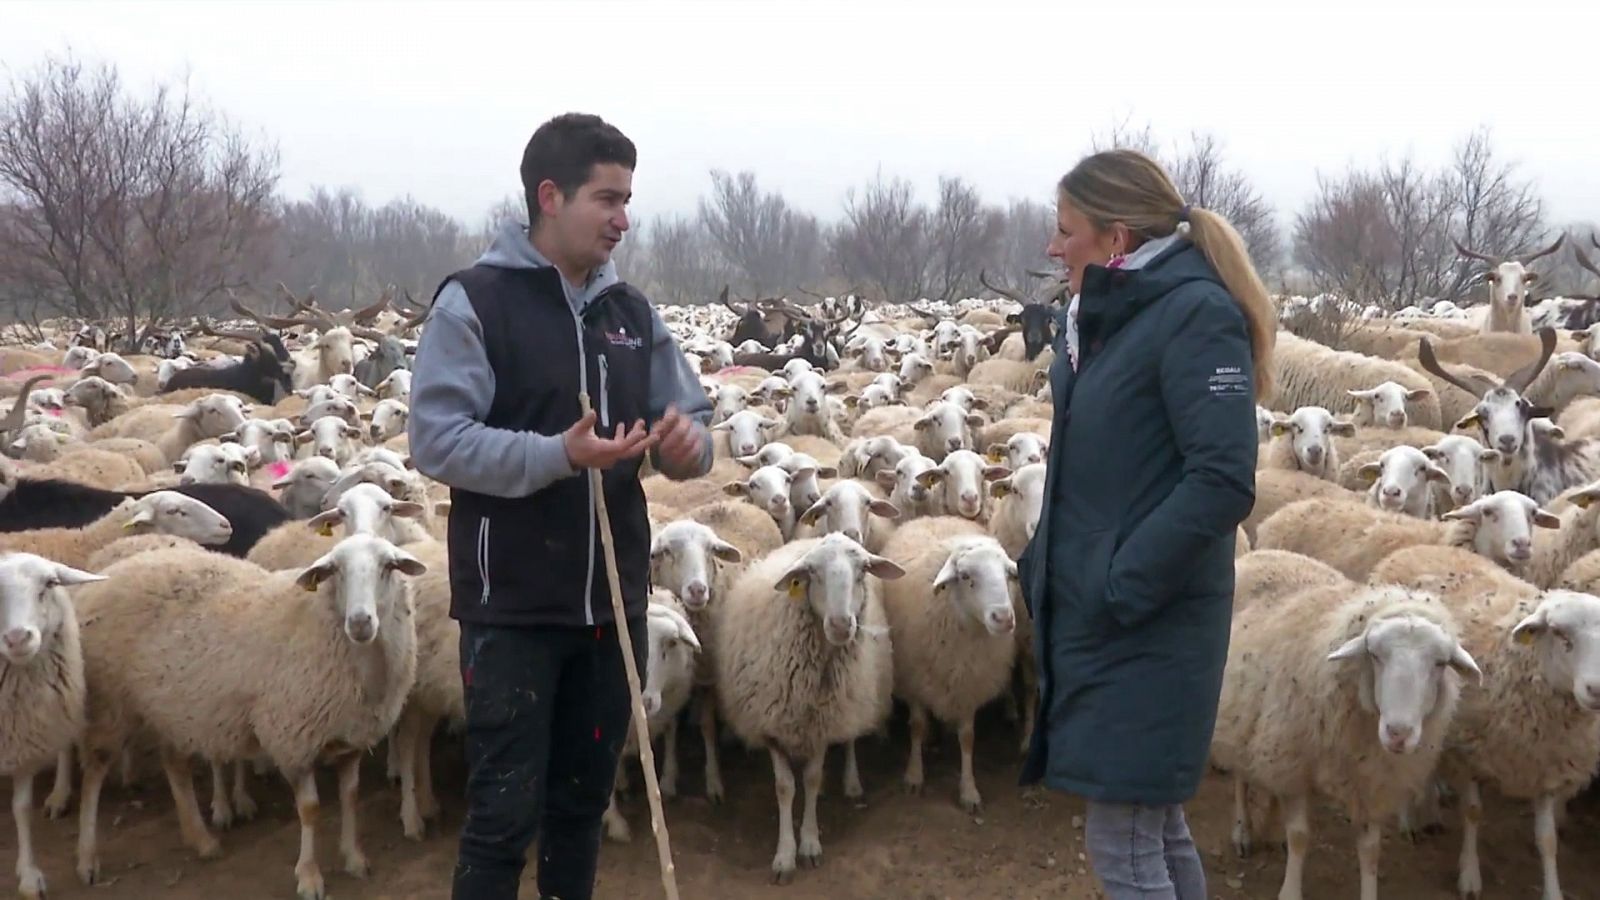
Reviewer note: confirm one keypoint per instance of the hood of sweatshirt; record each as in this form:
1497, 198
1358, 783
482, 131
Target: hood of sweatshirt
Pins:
511, 249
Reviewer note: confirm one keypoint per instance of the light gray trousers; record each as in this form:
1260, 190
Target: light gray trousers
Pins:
1141, 852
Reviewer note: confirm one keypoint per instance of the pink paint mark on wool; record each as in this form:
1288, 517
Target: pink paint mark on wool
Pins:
279, 468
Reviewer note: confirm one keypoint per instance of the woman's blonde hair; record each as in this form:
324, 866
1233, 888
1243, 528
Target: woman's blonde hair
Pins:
1129, 187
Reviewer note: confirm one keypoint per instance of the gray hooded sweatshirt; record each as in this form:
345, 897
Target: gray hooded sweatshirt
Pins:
453, 386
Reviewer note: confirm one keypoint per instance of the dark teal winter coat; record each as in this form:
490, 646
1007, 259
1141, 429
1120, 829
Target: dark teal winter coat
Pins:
1129, 575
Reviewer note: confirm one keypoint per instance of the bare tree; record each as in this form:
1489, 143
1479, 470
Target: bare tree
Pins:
136, 209
1021, 248
770, 246
963, 235
685, 265
1204, 179
351, 252
1497, 211
1344, 238
883, 239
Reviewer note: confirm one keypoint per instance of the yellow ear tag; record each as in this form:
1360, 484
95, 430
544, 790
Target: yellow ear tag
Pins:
996, 457
312, 585
797, 589
1524, 637
130, 524
326, 530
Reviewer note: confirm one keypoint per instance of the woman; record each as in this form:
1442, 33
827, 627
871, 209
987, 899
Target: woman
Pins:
1160, 359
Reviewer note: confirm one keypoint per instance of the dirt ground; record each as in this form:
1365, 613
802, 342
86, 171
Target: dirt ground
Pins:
1023, 845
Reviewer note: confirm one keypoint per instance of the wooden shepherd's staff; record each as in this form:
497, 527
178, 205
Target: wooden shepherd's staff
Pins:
641, 724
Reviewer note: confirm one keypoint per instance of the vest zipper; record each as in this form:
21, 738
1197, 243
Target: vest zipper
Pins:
583, 385
483, 558
605, 395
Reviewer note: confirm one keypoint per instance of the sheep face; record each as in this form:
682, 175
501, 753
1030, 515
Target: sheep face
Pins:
347, 386
366, 509
38, 442
889, 381
810, 396
1385, 405
396, 386
684, 557
213, 464
873, 396
78, 356
774, 389
962, 396
99, 398
395, 481
770, 454
728, 399
831, 579
913, 368
672, 648
113, 368
1404, 662
978, 577
947, 427
907, 492
946, 339
767, 488
844, 508
317, 393
336, 352
879, 454
1310, 431
330, 438
331, 407
1503, 418
214, 415
1564, 631
1576, 375
794, 367
364, 570
1505, 521
870, 353
169, 512
1402, 478
271, 441
804, 472
305, 486
745, 430
1027, 484
33, 603
961, 480
388, 420
1463, 460
1022, 449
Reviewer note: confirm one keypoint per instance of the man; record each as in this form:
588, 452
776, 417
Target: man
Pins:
495, 414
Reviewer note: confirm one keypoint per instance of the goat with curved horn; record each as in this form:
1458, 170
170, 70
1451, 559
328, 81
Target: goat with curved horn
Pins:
1528, 260
1521, 378
983, 279
19, 411
1474, 385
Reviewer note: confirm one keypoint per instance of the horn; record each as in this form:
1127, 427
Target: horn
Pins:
1528, 260
267, 321
207, 327
369, 313
1583, 258
1431, 363
983, 279
1473, 254
1520, 379
723, 297
18, 413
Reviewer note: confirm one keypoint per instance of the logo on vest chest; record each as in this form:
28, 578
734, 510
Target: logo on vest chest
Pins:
621, 338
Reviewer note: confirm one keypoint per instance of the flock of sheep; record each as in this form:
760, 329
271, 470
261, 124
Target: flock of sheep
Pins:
239, 566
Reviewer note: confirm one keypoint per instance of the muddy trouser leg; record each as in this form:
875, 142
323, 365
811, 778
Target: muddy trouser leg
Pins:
1143, 852
593, 712
510, 678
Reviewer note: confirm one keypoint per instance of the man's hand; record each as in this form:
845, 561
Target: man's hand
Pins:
587, 450
680, 441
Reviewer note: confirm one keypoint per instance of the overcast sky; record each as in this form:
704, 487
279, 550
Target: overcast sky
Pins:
437, 99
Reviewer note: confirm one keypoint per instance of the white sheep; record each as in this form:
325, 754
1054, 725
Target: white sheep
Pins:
1403, 481
272, 439
1303, 442
213, 464
1385, 405
1532, 731
959, 484
809, 411
1467, 463
348, 386
304, 486
1019, 502
804, 663
952, 620
906, 492
167, 512
1021, 449
42, 688
668, 681
301, 677
850, 508
173, 429
1353, 537
387, 420
1314, 680
742, 433
768, 488
396, 386
331, 437
945, 427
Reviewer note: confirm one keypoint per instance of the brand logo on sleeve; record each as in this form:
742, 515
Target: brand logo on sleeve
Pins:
621, 338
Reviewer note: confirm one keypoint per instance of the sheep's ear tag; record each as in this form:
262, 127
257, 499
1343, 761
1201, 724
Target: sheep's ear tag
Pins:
326, 530
1524, 637
311, 584
130, 524
996, 456
797, 589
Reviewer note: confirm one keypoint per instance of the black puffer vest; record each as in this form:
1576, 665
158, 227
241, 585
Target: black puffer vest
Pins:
537, 560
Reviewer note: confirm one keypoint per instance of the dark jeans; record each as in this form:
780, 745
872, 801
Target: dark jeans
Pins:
547, 714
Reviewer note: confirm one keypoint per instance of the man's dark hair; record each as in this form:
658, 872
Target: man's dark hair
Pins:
565, 150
